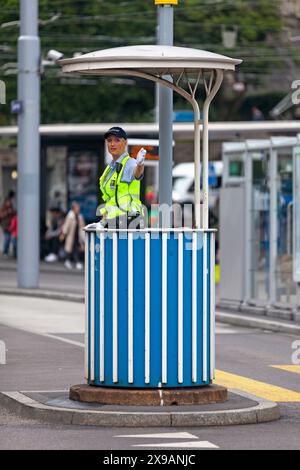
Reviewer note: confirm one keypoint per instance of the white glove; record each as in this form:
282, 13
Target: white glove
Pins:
141, 156
95, 226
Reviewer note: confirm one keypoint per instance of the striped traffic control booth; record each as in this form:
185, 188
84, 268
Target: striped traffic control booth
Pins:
149, 307
150, 293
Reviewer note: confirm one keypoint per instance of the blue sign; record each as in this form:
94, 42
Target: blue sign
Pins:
16, 107
184, 116
212, 176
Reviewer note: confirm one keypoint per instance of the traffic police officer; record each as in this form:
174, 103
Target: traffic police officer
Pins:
120, 182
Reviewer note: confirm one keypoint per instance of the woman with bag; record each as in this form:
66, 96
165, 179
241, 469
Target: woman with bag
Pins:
73, 235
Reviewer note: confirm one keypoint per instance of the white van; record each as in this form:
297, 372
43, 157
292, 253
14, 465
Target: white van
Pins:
183, 182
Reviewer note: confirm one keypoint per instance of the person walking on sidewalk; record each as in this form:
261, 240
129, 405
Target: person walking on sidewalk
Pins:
73, 235
7, 212
55, 223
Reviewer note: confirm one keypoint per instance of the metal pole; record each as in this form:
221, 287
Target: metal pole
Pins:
289, 238
156, 116
197, 156
249, 278
273, 226
29, 146
1, 184
165, 38
211, 93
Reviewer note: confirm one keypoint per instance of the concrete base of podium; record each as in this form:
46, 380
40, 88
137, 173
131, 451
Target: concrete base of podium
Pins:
149, 397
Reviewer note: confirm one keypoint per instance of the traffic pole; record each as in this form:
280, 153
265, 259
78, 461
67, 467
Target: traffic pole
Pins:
28, 146
165, 38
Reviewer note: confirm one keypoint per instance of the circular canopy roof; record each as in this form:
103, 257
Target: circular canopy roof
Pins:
149, 59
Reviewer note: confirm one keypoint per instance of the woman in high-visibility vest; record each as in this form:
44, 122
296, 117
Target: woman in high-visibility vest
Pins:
120, 183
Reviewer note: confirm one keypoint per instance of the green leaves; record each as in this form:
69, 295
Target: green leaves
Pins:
85, 25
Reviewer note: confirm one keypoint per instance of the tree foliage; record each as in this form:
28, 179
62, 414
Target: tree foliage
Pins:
82, 26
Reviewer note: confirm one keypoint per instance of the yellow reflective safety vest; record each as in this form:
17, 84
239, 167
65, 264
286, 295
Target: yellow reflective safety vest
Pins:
120, 198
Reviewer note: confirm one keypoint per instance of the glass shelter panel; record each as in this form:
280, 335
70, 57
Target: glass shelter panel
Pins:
82, 181
296, 216
260, 226
285, 286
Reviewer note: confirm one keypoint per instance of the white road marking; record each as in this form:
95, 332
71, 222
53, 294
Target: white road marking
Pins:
45, 391
64, 340
182, 445
222, 329
164, 435
45, 317
172, 435
42, 315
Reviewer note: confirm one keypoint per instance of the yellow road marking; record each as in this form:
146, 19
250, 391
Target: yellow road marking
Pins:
289, 368
217, 273
255, 387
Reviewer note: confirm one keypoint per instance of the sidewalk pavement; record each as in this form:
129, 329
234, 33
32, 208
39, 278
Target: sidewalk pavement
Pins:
44, 342
10, 264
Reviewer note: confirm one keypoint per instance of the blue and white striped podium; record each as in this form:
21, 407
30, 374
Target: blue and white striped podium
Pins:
150, 300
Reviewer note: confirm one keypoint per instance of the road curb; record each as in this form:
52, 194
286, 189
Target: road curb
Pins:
44, 268
260, 323
264, 411
42, 294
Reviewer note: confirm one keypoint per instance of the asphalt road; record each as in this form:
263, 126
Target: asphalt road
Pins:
44, 352
17, 434
61, 280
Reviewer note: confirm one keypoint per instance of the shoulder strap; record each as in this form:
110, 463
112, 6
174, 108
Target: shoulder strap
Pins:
120, 174
121, 168
105, 173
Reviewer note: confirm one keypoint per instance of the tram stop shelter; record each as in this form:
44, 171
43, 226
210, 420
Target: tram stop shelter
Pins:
150, 295
259, 204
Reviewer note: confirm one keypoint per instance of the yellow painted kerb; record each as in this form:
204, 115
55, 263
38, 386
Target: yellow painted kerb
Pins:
255, 387
166, 2
289, 368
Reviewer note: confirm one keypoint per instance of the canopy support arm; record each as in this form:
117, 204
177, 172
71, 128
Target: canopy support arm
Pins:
211, 89
211, 93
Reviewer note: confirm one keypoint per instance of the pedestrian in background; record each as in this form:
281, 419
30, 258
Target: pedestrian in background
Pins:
57, 201
73, 235
55, 223
13, 229
7, 211
257, 114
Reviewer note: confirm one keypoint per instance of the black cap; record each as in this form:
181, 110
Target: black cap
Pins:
117, 131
